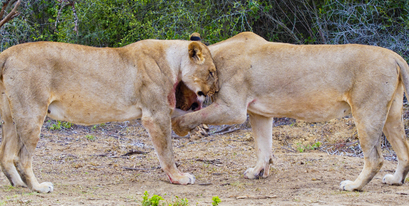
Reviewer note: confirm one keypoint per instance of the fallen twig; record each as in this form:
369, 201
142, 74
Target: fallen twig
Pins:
131, 168
338, 145
101, 155
289, 149
132, 152
402, 193
221, 133
215, 161
179, 137
256, 197
222, 130
141, 169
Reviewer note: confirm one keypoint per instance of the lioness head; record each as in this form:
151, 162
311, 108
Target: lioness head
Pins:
200, 78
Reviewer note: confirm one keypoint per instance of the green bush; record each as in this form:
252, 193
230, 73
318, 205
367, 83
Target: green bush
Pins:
120, 22
153, 201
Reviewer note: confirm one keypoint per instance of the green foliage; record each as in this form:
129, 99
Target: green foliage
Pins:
301, 148
153, 201
67, 125
90, 137
97, 125
58, 125
120, 22
215, 200
179, 202
316, 145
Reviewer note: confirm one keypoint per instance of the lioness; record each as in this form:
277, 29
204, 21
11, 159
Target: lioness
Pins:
87, 85
312, 83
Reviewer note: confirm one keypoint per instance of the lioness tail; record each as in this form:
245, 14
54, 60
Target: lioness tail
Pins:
404, 71
3, 59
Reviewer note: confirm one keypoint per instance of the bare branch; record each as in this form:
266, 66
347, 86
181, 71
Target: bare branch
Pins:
6, 7
13, 13
75, 17
63, 5
3, 9
289, 31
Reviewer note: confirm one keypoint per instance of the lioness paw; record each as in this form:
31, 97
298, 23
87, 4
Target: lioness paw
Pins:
177, 129
184, 179
252, 173
391, 180
348, 185
45, 187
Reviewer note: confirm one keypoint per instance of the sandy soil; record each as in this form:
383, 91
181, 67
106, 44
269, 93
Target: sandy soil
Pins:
114, 164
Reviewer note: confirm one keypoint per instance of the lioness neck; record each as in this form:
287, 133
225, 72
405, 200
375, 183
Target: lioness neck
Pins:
177, 56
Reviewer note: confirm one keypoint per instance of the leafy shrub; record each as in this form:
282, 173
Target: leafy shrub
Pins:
120, 22
153, 201
216, 200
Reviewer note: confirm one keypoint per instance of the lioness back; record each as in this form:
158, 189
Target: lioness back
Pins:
105, 84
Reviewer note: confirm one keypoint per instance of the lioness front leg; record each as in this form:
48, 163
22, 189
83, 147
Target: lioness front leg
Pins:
215, 114
158, 126
262, 131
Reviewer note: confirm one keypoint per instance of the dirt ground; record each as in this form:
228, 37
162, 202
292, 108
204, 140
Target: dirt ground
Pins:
115, 163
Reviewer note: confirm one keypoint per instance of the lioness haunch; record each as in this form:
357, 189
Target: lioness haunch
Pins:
87, 85
312, 83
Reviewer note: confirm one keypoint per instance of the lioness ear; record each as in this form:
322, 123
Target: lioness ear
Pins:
195, 37
195, 53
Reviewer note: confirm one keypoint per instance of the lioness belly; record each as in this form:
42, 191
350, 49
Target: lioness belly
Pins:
93, 113
315, 111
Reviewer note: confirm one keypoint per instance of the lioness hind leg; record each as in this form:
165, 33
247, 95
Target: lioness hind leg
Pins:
8, 154
9, 146
262, 130
28, 130
28, 117
395, 132
158, 126
369, 126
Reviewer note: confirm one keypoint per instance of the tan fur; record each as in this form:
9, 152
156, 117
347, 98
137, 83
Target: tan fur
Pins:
87, 85
312, 83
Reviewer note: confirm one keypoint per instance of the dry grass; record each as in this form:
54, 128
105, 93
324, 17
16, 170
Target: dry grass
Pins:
120, 164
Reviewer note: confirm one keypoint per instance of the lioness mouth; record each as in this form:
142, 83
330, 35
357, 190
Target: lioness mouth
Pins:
186, 99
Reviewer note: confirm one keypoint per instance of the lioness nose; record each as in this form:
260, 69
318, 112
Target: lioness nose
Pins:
200, 93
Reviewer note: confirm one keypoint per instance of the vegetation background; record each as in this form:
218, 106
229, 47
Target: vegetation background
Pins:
117, 23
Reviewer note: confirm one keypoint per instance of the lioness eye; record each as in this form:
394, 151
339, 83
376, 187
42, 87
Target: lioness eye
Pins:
211, 73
